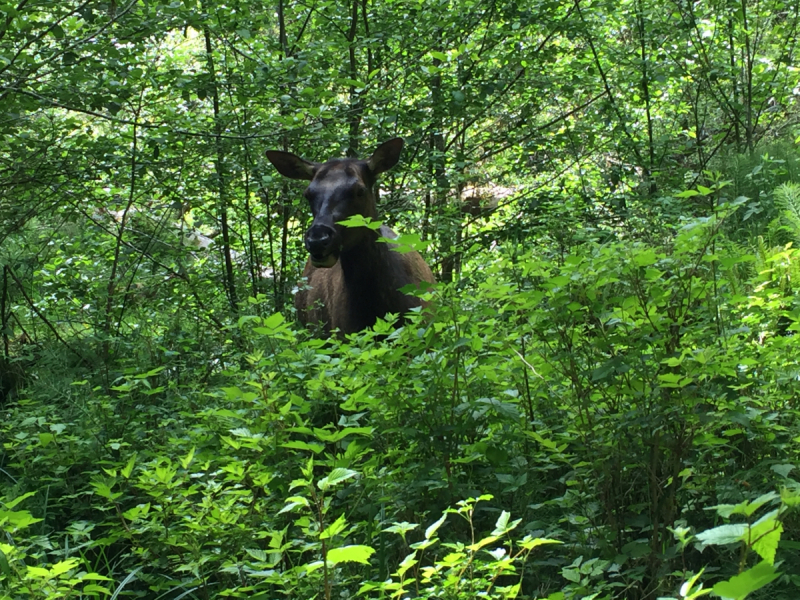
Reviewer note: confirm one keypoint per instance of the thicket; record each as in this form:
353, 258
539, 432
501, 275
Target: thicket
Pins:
603, 403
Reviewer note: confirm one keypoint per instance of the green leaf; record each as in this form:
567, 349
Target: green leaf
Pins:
408, 562
335, 436
645, 258
12, 503
790, 497
230, 441
484, 542
430, 531
502, 525
128, 468
294, 502
754, 505
361, 221
335, 477
530, 544
739, 586
63, 566
724, 534
37, 572
138, 511
257, 553
187, 460
299, 445
673, 380
358, 554
334, 528
765, 535
18, 519
687, 589
274, 321
401, 528
783, 470
96, 577
408, 242
104, 491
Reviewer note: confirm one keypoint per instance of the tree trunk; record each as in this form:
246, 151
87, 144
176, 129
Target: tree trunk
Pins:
219, 167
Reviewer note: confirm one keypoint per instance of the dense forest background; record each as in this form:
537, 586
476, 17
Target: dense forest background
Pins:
605, 402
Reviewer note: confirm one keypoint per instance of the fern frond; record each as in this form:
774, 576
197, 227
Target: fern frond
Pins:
787, 199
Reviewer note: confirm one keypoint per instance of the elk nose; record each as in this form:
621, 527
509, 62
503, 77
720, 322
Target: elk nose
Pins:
319, 239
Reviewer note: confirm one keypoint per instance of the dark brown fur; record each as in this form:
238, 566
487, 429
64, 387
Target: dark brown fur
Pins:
352, 278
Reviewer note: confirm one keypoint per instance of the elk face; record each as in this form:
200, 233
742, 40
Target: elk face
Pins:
338, 190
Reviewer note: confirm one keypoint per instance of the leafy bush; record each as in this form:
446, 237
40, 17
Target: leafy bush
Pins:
607, 397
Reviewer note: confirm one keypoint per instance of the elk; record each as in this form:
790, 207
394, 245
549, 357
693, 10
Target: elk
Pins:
353, 279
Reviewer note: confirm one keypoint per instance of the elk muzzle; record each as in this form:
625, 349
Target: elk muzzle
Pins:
323, 244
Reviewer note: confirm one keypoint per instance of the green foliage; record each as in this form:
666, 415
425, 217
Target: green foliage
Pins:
467, 570
54, 579
787, 200
607, 398
611, 356
761, 536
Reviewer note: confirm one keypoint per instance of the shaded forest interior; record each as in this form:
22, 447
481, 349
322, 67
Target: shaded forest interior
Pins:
604, 403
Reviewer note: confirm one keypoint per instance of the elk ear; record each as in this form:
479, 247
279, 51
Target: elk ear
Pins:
292, 166
386, 156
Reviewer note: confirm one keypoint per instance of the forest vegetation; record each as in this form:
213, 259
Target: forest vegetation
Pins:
603, 401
